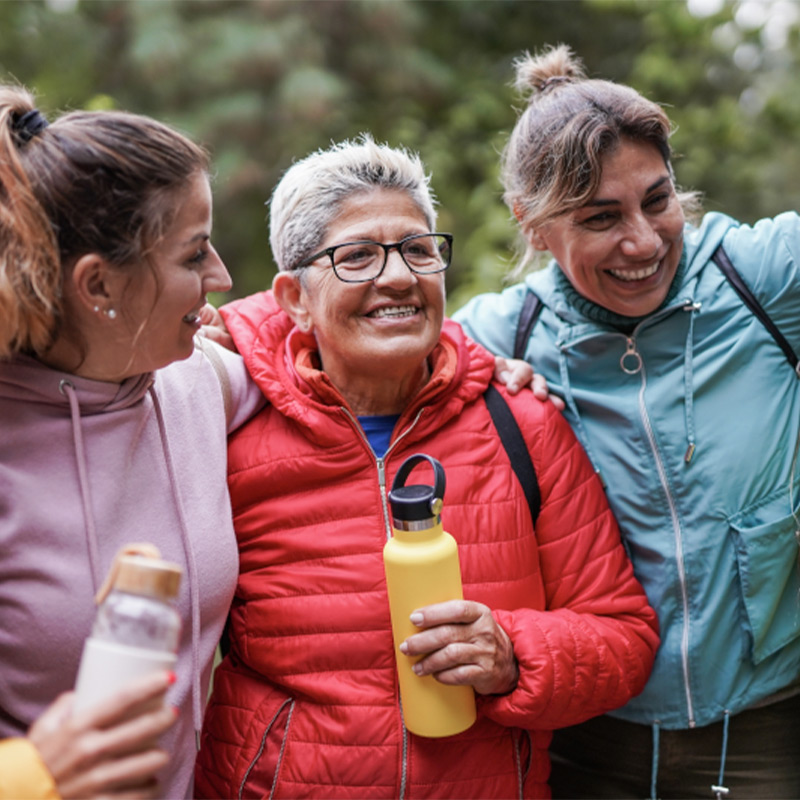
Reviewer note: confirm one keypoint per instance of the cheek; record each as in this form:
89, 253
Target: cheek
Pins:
671, 224
576, 263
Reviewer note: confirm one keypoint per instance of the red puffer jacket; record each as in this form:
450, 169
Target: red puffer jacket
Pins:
306, 703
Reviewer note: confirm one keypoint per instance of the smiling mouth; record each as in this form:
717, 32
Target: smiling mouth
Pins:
393, 311
635, 274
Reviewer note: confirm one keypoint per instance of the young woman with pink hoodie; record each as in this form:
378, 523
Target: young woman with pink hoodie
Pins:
111, 431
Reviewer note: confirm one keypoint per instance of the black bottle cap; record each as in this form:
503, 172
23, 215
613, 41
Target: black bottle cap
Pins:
417, 501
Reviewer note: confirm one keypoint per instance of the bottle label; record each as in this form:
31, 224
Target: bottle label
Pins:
107, 667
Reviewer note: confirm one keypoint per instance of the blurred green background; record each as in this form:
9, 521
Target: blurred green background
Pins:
264, 82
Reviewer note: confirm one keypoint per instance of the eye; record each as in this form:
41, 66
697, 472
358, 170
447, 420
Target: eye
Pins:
199, 257
419, 248
356, 255
601, 221
657, 202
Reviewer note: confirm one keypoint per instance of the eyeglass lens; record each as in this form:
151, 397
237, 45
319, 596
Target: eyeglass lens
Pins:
362, 261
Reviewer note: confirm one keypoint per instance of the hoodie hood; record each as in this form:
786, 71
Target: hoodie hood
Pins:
28, 380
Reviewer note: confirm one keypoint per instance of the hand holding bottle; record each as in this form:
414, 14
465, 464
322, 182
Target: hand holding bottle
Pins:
461, 644
109, 750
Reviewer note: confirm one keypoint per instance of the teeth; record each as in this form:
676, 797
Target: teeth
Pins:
635, 274
394, 311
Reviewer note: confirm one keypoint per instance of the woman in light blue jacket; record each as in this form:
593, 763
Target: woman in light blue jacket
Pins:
688, 403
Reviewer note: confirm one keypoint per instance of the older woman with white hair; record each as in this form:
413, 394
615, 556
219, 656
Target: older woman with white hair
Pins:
361, 370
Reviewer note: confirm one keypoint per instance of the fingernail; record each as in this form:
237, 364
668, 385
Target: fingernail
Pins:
416, 618
403, 648
171, 678
417, 669
175, 710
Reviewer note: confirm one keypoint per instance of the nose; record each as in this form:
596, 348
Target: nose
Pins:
640, 239
217, 277
396, 274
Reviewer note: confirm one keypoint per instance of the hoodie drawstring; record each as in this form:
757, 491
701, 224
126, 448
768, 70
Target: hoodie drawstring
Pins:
688, 382
720, 790
68, 390
197, 704
654, 763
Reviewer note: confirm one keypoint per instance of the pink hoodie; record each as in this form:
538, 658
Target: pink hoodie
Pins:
86, 467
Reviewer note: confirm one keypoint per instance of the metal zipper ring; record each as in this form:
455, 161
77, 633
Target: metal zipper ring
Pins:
637, 362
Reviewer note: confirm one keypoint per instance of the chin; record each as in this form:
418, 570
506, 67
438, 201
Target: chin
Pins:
637, 308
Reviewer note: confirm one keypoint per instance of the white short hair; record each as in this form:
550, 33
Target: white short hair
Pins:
307, 198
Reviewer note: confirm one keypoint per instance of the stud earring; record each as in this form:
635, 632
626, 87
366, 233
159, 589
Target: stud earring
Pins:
96, 309
112, 314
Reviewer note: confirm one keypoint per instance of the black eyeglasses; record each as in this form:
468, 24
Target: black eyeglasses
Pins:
359, 262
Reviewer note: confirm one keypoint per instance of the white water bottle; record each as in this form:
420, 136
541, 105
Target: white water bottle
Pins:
137, 629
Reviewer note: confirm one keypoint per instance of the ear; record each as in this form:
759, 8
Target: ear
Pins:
94, 283
537, 239
292, 298
533, 235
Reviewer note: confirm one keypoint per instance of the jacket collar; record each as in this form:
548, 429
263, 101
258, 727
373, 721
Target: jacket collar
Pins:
285, 363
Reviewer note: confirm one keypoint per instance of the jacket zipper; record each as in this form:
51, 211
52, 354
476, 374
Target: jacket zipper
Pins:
632, 352
290, 702
380, 464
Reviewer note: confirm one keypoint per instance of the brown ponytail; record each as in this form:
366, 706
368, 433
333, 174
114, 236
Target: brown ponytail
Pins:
30, 279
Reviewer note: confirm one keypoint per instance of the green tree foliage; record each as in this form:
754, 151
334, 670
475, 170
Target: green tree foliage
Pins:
264, 82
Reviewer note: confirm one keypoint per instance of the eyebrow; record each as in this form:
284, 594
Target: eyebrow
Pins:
652, 187
198, 237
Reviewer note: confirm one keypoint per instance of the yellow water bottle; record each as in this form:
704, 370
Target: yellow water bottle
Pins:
422, 568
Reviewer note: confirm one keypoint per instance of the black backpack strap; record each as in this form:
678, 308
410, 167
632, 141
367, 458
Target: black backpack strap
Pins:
517, 450
531, 308
721, 259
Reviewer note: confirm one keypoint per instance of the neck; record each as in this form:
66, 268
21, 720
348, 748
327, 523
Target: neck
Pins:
374, 395
66, 356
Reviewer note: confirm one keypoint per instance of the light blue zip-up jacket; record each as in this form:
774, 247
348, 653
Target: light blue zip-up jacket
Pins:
713, 539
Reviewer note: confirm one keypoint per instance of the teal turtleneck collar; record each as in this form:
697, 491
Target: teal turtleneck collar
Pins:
601, 314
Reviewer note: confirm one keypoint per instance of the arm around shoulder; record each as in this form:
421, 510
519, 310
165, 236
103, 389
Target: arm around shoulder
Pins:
241, 396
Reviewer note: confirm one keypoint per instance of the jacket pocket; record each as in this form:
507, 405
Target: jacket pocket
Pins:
769, 575
260, 778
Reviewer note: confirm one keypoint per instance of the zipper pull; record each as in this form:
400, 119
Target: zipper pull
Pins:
631, 361
381, 473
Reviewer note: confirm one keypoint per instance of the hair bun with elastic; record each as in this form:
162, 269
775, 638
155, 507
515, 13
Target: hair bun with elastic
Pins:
28, 125
543, 71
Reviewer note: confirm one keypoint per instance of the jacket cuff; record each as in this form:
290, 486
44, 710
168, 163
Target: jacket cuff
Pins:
23, 774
